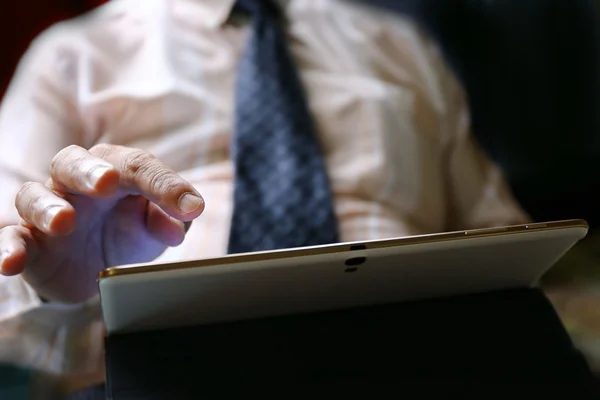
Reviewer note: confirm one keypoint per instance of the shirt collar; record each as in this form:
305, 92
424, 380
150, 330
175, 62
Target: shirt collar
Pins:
210, 14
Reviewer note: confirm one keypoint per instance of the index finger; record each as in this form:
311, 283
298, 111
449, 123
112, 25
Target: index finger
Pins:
142, 173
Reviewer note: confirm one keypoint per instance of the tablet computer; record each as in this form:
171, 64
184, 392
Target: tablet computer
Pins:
320, 278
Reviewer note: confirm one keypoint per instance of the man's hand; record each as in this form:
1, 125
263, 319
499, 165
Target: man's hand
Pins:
107, 206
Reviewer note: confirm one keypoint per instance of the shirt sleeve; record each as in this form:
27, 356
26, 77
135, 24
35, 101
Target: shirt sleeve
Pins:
38, 117
478, 195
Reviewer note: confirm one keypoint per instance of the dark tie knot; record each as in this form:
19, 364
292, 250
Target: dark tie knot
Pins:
257, 7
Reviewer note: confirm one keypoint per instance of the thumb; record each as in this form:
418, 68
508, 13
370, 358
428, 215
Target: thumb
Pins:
163, 227
136, 233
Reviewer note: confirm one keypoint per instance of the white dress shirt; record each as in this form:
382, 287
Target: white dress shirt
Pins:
159, 75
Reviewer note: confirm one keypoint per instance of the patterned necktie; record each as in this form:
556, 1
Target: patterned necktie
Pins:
282, 197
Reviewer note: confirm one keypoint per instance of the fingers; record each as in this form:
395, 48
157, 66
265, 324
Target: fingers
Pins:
74, 169
144, 174
95, 171
41, 208
17, 248
164, 228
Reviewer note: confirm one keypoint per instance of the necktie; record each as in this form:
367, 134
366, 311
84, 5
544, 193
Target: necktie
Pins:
282, 197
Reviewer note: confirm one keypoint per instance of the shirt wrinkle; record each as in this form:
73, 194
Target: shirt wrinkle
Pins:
160, 74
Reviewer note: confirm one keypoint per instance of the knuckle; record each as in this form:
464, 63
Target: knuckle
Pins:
75, 167
137, 162
164, 181
28, 197
58, 159
146, 170
24, 191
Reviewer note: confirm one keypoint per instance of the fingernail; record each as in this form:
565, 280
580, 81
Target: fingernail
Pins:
189, 203
96, 174
3, 256
49, 215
